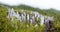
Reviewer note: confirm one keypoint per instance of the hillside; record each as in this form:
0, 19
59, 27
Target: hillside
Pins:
7, 26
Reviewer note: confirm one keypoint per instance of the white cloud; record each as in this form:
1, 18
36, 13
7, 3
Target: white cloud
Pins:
44, 4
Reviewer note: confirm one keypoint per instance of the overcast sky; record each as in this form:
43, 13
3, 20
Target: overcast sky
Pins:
43, 4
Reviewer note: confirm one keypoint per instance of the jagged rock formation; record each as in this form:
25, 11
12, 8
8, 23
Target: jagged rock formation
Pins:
32, 17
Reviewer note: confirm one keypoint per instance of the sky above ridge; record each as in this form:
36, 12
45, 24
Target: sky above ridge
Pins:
42, 4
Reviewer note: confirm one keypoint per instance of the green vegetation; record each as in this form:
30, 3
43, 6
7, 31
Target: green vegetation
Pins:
7, 26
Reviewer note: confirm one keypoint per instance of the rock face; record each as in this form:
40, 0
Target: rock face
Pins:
31, 17
49, 22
